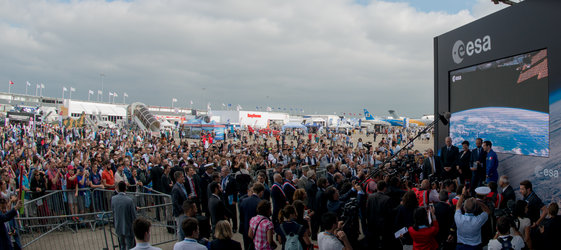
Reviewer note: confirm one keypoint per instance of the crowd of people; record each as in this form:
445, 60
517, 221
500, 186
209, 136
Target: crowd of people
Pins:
292, 191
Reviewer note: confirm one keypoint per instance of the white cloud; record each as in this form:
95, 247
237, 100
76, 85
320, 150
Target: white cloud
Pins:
320, 55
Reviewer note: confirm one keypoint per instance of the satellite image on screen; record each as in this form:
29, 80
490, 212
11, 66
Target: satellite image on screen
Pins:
504, 101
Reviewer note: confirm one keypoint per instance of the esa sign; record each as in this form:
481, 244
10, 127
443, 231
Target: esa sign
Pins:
461, 49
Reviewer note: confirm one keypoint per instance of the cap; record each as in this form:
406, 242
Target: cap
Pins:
482, 190
70, 167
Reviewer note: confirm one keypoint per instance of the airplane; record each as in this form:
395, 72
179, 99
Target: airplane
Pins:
414, 122
393, 122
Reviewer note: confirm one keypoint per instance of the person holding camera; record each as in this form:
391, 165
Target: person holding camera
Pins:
423, 232
333, 238
6, 216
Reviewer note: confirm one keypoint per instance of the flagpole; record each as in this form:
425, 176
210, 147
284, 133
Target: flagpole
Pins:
10, 87
36, 88
26, 85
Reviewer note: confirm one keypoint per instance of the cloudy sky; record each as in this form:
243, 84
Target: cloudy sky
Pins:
322, 56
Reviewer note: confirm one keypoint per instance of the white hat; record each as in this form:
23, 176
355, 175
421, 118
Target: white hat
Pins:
482, 190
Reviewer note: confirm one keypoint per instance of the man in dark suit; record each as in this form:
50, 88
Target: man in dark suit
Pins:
216, 206
288, 186
5, 239
206, 179
178, 196
279, 198
445, 216
262, 178
431, 165
311, 188
193, 186
230, 194
507, 191
156, 173
330, 172
379, 218
478, 171
248, 209
449, 155
124, 213
319, 206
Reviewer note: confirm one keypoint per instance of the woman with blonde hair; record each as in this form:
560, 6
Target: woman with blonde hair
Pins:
223, 234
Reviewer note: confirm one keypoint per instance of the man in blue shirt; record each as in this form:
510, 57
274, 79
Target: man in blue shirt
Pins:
469, 225
492, 162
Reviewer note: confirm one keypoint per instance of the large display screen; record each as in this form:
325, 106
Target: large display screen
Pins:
504, 101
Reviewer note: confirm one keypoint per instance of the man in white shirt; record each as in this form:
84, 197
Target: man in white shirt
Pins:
190, 227
141, 229
505, 239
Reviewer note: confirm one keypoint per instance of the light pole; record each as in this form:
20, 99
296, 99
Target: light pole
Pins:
101, 76
173, 100
71, 90
124, 96
64, 89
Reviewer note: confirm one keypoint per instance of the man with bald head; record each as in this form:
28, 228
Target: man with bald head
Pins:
450, 155
431, 166
469, 224
278, 196
288, 186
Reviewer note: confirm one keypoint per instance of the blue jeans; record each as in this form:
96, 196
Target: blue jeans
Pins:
467, 247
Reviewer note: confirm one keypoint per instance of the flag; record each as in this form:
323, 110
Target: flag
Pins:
38, 86
72, 89
90, 92
174, 100
110, 94
223, 105
28, 84
191, 102
269, 109
115, 94
11, 83
125, 95
229, 105
99, 92
42, 86
208, 106
64, 89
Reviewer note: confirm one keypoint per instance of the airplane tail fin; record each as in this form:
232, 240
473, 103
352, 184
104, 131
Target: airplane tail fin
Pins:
393, 114
367, 115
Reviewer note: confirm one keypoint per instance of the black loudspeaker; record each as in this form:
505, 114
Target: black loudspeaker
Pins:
194, 112
206, 119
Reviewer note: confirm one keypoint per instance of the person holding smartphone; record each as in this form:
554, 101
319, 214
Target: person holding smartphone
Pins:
425, 228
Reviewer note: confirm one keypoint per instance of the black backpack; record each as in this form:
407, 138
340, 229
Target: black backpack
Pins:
506, 243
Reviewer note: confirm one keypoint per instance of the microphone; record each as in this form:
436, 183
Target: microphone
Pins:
444, 117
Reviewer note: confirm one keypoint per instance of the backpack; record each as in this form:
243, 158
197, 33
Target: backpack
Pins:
292, 240
506, 243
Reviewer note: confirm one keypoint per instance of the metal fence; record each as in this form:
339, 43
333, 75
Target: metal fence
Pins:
64, 219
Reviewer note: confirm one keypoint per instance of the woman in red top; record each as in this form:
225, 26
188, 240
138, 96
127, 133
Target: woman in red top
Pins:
422, 232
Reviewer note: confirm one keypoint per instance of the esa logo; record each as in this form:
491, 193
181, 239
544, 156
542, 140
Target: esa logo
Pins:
545, 172
456, 78
460, 50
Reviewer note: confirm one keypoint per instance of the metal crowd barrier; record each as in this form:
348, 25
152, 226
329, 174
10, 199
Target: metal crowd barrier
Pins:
62, 220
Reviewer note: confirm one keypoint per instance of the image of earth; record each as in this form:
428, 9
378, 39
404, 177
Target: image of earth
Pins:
511, 130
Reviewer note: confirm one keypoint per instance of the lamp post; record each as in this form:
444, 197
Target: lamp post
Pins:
101, 76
